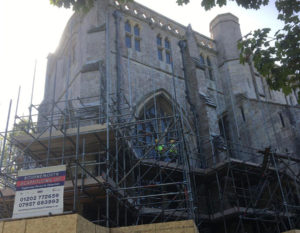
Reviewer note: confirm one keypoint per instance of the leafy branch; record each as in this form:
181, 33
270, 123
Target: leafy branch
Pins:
278, 59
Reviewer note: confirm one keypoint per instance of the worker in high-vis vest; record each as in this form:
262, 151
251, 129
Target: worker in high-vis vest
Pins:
159, 148
173, 153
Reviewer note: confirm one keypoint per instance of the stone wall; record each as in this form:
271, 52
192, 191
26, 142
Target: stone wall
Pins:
264, 124
74, 71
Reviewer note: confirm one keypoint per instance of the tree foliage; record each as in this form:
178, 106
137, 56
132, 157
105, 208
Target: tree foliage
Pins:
248, 4
77, 5
276, 58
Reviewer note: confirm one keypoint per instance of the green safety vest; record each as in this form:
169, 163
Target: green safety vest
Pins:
173, 148
159, 148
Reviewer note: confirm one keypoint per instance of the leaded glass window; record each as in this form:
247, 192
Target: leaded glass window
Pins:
168, 51
156, 132
159, 48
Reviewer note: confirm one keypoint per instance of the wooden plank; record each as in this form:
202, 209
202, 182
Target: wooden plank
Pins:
1, 227
14, 226
84, 226
55, 224
187, 226
100, 229
74, 223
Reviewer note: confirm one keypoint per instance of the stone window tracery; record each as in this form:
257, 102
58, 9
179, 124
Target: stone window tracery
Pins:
156, 117
159, 47
128, 34
168, 51
132, 35
137, 38
202, 61
163, 49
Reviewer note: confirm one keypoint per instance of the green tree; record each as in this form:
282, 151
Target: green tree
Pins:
78, 5
277, 57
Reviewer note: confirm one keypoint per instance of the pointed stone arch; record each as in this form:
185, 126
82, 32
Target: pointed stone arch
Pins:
160, 96
157, 112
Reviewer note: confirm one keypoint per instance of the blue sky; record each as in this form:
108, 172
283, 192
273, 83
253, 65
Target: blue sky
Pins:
30, 30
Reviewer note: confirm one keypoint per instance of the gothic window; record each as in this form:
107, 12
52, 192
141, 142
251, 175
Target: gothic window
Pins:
128, 27
136, 30
132, 36
167, 44
163, 49
168, 51
128, 34
159, 48
159, 41
137, 38
225, 128
201, 58
209, 67
156, 118
282, 120
168, 57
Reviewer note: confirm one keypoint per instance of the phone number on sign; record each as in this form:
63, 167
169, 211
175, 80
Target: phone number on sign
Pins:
39, 200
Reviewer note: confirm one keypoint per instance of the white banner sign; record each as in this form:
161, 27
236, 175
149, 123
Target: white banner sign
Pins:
40, 192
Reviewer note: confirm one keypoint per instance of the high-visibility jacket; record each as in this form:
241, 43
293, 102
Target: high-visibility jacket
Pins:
173, 148
159, 148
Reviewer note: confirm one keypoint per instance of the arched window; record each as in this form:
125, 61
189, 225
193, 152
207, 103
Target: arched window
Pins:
159, 47
127, 27
137, 38
208, 62
168, 51
156, 130
134, 35
128, 34
282, 120
209, 67
201, 58
136, 30
167, 43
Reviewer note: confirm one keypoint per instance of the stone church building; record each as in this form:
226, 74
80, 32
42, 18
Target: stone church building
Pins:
174, 97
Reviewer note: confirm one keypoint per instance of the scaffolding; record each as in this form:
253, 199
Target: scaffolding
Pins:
127, 168
117, 176
115, 154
